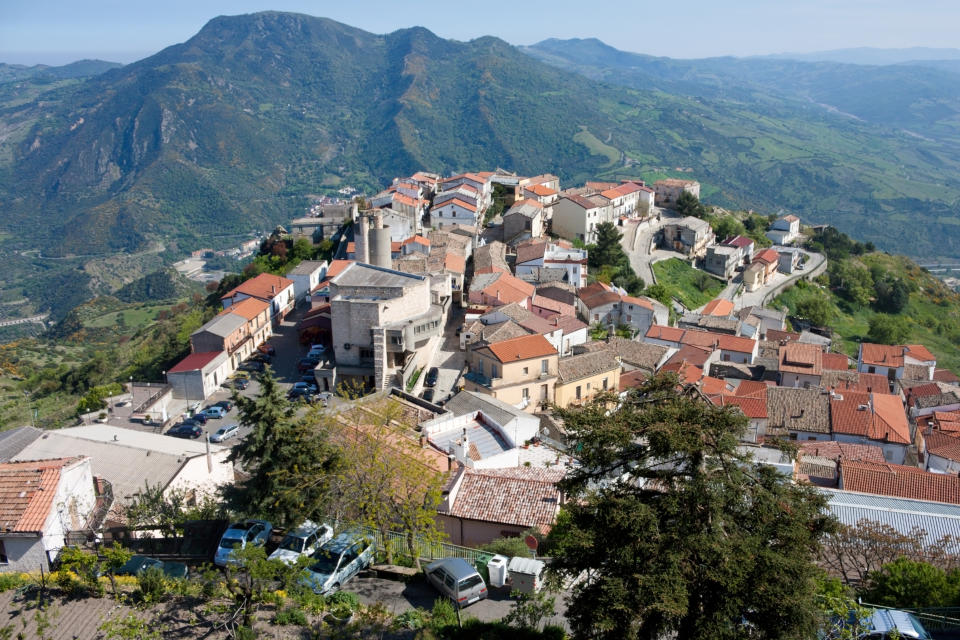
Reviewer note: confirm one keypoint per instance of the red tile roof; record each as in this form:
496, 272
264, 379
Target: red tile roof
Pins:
264, 286
723, 341
640, 302
508, 288
691, 354
454, 262
753, 408
418, 240
738, 241
336, 267
920, 352
899, 481
553, 305
632, 379
540, 190
718, 307
686, 372
248, 308
943, 444
27, 491
881, 355
195, 361
751, 388
799, 358
945, 375
522, 348
832, 361
767, 256
875, 416
458, 201
662, 332
520, 496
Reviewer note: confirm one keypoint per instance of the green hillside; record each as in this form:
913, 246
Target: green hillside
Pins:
227, 133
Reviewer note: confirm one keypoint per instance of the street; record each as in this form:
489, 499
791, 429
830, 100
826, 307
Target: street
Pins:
448, 359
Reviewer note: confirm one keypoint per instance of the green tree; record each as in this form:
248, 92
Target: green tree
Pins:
887, 329
607, 250
816, 308
659, 293
678, 530
168, 509
909, 584
893, 294
289, 463
114, 557
852, 281
726, 226
689, 205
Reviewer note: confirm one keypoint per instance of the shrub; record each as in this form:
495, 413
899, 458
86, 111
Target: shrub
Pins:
291, 615
411, 619
244, 633
152, 583
13, 580
345, 599
442, 615
509, 547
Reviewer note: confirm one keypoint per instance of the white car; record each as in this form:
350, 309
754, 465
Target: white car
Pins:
302, 541
225, 433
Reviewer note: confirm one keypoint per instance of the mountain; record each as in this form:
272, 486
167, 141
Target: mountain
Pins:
230, 131
78, 69
871, 55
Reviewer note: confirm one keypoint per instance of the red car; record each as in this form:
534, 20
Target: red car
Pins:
267, 348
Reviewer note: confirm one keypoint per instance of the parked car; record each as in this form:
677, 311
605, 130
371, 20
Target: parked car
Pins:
432, 376
309, 377
306, 364
458, 580
337, 561
305, 540
225, 433
427, 395
138, 564
214, 411
308, 386
237, 383
226, 404
301, 394
186, 431
238, 535
261, 357
318, 347
199, 417
323, 398
882, 624
252, 366
267, 348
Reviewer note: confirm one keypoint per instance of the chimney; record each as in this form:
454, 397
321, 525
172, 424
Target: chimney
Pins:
423, 441
273, 289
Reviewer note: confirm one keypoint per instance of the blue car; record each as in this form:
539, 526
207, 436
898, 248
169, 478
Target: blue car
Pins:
214, 412
237, 536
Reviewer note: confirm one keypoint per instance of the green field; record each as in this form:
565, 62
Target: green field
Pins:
596, 146
132, 319
933, 311
692, 287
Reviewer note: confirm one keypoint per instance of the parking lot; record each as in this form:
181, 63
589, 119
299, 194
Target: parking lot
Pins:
398, 597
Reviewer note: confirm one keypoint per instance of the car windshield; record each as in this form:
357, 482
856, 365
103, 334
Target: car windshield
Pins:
291, 543
231, 543
324, 563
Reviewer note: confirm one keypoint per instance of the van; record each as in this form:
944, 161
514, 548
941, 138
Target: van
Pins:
458, 580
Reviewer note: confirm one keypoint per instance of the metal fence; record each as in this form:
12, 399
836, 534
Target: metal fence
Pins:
399, 543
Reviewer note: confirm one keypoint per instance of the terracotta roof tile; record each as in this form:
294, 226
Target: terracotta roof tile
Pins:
767, 256
751, 388
718, 307
632, 379
587, 364
642, 355
522, 348
836, 451
722, 341
775, 335
661, 332
920, 352
264, 286
872, 415
899, 481
792, 409
753, 408
833, 361
881, 355
27, 491
248, 308
521, 497
806, 359
945, 375
943, 444
195, 361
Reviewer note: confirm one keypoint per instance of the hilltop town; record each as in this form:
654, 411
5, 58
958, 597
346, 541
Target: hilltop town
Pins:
477, 305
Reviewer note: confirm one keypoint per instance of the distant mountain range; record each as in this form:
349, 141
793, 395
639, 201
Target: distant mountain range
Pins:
872, 55
78, 69
231, 130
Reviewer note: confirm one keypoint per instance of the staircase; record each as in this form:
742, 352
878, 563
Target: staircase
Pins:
379, 335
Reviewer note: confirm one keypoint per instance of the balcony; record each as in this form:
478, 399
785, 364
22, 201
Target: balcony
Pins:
478, 378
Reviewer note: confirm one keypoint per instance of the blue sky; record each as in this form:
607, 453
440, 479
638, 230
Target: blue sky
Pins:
58, 31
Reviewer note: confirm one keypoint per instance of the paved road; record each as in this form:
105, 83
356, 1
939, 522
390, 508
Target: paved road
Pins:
448, 358
636, 242
780, 281
37, 319
398, 597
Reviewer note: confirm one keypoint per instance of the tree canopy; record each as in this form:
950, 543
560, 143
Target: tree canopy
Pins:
887, 329
690, 205
678, 531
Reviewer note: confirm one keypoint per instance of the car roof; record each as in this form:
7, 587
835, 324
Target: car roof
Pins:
244, 525
342, 541
304, 530
456, 567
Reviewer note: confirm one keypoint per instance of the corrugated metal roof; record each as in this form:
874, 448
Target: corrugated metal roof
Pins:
937, 519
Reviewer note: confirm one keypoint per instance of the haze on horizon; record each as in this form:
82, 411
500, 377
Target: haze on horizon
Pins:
61, 31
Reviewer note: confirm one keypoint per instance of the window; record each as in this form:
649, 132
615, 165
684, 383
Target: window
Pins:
525, 394
544, 366
871, 369
588, 386
526, 370
494, 372
480, 367
543, 392
604, 384
3, 554
578, 392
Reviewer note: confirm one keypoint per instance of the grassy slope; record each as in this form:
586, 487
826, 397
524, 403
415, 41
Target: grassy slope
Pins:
679, 277
933, 312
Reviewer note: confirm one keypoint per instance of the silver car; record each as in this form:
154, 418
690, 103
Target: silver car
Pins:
458, 580
337, 561
305, 540
225, 433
